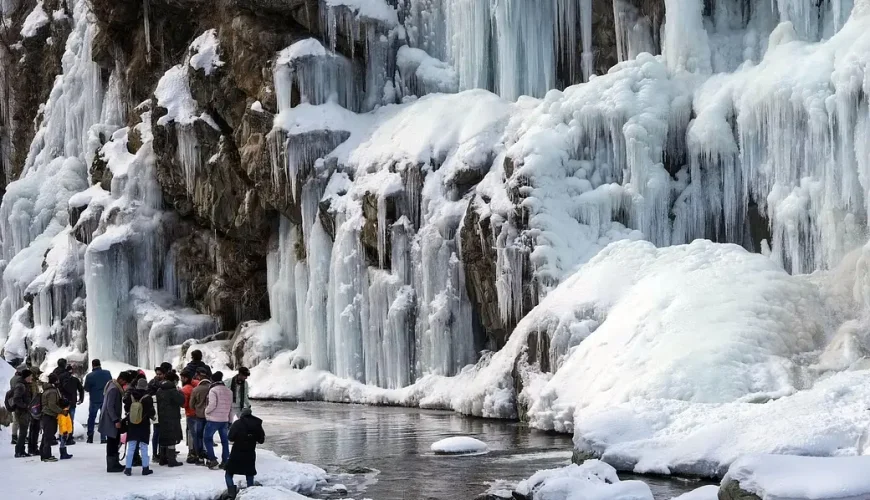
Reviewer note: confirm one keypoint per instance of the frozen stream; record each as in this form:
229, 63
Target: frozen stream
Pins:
395, 443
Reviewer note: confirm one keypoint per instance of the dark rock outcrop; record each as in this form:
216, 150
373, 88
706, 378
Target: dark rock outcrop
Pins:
732, 491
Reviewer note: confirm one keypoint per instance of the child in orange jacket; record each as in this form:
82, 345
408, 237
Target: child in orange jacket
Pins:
64, 429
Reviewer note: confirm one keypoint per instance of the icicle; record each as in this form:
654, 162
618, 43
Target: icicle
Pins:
586, 36
146, 8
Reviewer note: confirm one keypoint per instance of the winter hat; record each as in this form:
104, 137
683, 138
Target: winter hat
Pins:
61, 363
25, 373
167, 367
217, 376
142, 384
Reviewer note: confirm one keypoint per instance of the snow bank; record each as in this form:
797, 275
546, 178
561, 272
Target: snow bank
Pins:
459, 445
302, 48
593, 480
173, 93
778, 477
85, 474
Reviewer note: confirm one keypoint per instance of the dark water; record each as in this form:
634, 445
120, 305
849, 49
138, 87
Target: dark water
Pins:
383, 453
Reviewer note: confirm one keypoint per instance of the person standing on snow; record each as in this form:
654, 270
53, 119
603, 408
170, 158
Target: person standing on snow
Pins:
217, 416
188, 384
169, 403
154, 386
239, 386
22, 396
95, 383
51, 408
110, 420
199, 401
245, 434
71, 389
64, 428
139, 405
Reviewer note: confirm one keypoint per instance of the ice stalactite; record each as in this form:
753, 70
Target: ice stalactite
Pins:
146, 15
317, 343
282, 266
36, 205
635, 32
318, 75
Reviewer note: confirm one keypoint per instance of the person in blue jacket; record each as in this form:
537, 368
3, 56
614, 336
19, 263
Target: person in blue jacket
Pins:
95, 383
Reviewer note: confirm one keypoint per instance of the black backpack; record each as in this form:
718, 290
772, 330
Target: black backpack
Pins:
8, 400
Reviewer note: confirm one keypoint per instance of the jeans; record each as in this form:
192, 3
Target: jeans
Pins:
64, 439
33, 435
72, 411
229, 479
155, 439
143, 452
23, 427
93, 410
49, 429
221, 428
193, 443
200, 439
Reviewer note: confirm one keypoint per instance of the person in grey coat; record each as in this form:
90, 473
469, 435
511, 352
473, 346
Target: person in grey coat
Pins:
110, 420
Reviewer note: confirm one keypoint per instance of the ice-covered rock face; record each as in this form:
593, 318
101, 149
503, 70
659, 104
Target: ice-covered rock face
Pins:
383, 189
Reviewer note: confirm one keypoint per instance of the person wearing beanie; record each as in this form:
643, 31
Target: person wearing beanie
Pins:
245, 434
217, 416
199, 401
22, 396
169, 402
139, 406
51, 408
95, 384
110, 420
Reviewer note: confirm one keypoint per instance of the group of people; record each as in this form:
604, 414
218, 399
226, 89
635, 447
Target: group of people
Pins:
142, 414
43, 407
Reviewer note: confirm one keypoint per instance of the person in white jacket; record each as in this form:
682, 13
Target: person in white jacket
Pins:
218, 413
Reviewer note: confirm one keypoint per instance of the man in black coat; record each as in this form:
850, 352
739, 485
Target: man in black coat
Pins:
196, 362
245, 434
22, 396
73, 391
170, 401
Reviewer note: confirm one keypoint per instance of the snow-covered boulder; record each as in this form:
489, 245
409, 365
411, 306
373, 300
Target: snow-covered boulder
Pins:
785, 477
594, 480
459, 445
709, 492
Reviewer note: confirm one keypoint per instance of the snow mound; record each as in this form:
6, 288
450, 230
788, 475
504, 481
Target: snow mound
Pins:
459, 445
702, 323
268, 493
204, 52
173, 93
783, 477
303, 48
709, 492
593, 480
35, 20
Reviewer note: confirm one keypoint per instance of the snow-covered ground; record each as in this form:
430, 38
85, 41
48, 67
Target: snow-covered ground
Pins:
85, 474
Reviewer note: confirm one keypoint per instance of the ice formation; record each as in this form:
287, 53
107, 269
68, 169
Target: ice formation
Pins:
458, 445
478, 221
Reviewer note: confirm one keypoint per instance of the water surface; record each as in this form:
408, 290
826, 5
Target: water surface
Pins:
383, 453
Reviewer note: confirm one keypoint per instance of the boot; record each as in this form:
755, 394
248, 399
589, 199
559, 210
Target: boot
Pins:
212, 464
191, 459
14, 440
232, 491
90, 439
113, 465
49, 459
71, 441
161, 456
64, 455
23, 455
146, 471
172, 461
128, 472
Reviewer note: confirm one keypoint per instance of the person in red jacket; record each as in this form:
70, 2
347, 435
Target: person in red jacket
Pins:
188, 384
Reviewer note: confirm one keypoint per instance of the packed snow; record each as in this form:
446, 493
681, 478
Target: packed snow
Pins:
777, 477
593, 480
709, 492
459, 445
86, 473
